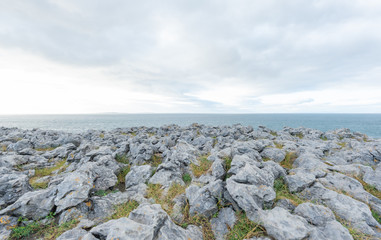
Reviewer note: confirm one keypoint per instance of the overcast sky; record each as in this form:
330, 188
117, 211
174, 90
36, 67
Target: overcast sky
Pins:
75, 56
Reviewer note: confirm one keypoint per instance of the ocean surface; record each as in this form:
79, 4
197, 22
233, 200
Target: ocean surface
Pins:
369, 124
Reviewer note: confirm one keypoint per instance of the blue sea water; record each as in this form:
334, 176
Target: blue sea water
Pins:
369, 124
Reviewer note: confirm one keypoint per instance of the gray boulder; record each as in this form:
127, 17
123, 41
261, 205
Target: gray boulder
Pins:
299, 179
226, 217
33, 205
280, 224
275, 154
73, 234
12, 185
146, 222
137, 175
73, 190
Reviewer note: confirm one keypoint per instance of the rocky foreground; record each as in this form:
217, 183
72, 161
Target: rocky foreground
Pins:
195, 182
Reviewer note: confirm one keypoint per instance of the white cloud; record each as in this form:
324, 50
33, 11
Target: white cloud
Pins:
173, 56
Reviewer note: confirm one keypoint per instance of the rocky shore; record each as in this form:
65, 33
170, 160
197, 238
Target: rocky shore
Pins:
195, 182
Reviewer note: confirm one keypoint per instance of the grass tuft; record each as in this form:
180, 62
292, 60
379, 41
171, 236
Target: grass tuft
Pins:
357, 235
45, 149
202, 168
187, 178
155, 191
43, 172
102, 135
124, 209
288, 160
228, 163
324, 138
245, 229
299, 135
122, 174
342, 144
156, 160
369, 188
376, 216
3, 148
278, 145
38, 230
122, 158
274, 133
198, 220
282, 192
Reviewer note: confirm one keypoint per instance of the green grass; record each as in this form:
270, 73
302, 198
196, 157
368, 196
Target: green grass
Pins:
43, 172
187, 178
198, 220
102, 193
202, 168
299, 135
274, 133
102, 135
45, 149
228, 163
3, 148
122, 174
369, 188
282, 192
324, 138
278, 145
38, 185
155, 191
124, 209
376, 216
156, 160
122, 158
288, 160
38, 230
245, 229
342, 144
357, 235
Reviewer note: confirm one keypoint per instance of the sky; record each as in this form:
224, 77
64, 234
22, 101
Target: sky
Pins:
241, 56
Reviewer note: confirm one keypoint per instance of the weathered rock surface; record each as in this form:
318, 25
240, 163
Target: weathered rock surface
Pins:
324, 182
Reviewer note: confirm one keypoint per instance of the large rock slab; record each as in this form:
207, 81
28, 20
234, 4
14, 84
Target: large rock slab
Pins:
146, 222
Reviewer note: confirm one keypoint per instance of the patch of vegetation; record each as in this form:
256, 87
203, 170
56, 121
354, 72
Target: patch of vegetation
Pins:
265, 159
45, 149
3, 148
282, 192
356, 234
102, 135
133, 134
155, 191
187, 178
38, 185
324, 138
197, 220
102, 193
202, 168
245, 229
228, 163
274, 133
278, 145
43, 172
122, 174
124, 209
156, 160
376, 216
365, 139
342, 144
38, 230
299, 135
288, 160
122, 158
369, 188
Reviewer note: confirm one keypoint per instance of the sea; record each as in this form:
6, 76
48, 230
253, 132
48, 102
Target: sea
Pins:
369, 124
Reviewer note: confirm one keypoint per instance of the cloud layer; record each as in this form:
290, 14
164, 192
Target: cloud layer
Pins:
190, 56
